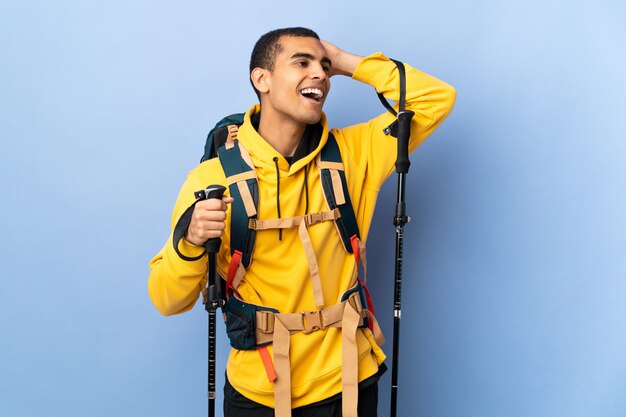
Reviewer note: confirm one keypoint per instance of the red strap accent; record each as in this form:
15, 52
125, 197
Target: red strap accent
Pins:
356, 250
232, 269
370, 305
267, 363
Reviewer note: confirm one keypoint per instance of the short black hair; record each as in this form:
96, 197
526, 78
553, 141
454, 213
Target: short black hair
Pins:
268, 47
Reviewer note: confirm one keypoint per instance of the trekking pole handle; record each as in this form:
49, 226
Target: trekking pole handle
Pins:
212, 191
404, 131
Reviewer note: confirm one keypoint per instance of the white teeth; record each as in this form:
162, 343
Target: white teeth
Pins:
316, 91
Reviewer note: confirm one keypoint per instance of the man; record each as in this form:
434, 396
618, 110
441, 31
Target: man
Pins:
304, 268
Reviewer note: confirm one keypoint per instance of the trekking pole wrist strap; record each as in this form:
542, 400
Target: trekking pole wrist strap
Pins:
394, 128
180, 230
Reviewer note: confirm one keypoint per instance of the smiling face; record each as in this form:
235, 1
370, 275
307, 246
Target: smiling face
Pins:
296, 88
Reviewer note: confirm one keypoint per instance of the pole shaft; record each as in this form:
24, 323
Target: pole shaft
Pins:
212, 334
211, 387
400, 220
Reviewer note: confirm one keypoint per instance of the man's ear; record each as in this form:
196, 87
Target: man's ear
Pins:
260, 79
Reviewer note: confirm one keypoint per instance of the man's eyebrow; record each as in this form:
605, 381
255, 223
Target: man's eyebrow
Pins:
324, 60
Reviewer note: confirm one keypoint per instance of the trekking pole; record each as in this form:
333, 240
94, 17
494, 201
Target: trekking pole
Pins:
213, 300
399, 220
401, 128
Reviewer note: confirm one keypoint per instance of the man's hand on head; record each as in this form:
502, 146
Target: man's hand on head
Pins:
343, 63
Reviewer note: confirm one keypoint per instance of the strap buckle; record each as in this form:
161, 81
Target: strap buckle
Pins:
252, 224
265, 321
313, 218
312, 321
354, 300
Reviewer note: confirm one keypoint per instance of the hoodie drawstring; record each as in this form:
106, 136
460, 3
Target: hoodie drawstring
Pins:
306, 189
280, 231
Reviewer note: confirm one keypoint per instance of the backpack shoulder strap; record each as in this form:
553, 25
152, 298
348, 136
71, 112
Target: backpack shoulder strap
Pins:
336, 192
244, 188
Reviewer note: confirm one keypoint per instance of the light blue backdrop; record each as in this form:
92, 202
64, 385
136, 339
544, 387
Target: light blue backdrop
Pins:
515, 268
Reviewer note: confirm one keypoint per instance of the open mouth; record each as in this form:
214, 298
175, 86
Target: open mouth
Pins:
313, 93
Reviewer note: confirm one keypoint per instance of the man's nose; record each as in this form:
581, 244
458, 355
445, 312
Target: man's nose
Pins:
318, 72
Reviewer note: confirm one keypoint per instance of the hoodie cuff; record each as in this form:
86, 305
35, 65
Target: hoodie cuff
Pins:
369, 69
189, 249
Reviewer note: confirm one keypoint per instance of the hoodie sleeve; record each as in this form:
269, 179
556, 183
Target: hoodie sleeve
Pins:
175, 284
373, 152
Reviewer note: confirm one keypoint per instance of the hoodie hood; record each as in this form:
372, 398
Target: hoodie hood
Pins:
263, 154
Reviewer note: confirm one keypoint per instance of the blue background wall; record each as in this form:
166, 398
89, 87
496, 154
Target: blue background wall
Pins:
515, 268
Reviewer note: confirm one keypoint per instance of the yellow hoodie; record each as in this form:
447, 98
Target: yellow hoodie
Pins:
278, 275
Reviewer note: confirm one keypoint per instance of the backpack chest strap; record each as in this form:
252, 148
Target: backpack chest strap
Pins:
290, 222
